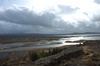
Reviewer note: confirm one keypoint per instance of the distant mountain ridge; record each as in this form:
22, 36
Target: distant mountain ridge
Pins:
86, 33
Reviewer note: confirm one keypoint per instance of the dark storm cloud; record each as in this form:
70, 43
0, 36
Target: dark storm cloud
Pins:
6, 27
97, 1
22, 20
27, 17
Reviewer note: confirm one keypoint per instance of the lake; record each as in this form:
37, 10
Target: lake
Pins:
69, 40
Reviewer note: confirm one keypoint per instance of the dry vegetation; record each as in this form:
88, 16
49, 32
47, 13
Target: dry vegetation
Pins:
83, 55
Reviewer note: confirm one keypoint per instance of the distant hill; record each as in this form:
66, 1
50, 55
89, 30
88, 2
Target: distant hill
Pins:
30, 35
87, 33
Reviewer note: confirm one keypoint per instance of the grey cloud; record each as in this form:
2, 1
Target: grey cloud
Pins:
23, 20
96, 18
63, 27
26, 17
97, 1
6, 27
67, 9
85, 27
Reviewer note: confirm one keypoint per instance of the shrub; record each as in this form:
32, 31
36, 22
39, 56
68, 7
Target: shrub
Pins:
34, 56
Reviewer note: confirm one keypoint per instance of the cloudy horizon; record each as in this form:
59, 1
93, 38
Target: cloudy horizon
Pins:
49, 16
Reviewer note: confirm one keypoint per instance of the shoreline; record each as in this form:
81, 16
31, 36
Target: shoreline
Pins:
13, 40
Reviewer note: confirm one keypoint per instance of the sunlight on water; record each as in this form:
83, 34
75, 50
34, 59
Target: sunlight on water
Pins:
75, 40
76, 43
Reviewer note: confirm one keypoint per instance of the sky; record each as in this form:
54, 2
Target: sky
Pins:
49, 16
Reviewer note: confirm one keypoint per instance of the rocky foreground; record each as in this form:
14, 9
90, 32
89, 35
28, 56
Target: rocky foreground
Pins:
87, 54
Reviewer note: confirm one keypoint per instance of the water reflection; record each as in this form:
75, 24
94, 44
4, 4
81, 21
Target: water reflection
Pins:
46, 44
73, 39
